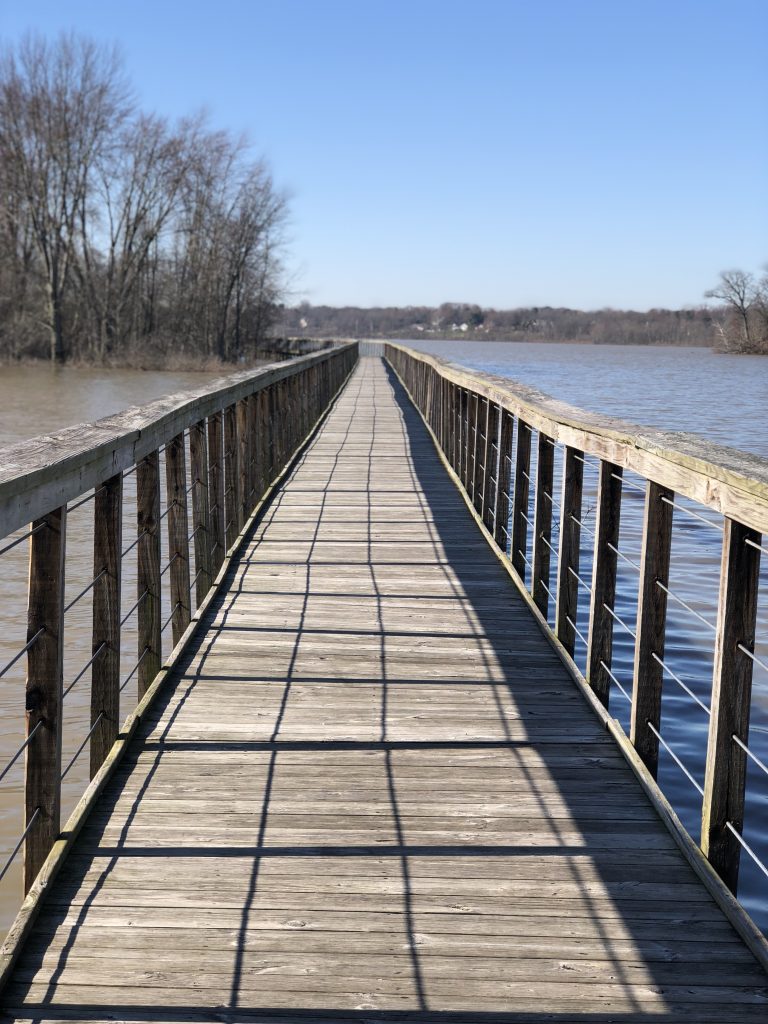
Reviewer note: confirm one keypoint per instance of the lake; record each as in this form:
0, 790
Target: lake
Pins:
724, 398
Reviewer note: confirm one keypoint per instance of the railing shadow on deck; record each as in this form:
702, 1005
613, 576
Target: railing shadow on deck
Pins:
445, 508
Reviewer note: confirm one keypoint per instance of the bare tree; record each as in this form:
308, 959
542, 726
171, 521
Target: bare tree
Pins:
739, 291
60, 104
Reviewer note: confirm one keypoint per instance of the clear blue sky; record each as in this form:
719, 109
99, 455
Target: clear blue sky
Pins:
562, 152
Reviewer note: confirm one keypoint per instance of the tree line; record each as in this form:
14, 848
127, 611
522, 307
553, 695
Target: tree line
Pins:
699, 326
124, 237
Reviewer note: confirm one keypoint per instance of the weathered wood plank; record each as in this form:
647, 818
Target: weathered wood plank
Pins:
44, 685
105, 643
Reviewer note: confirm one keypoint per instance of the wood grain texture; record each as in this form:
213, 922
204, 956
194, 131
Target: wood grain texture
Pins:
148, 580
371, 790
107, 570
44, 685
725, 774
651, 623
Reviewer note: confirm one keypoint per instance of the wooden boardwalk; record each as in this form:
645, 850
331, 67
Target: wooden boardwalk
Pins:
373, 791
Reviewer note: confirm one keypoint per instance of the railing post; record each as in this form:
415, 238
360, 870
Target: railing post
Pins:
542, 523
45, 616
107, 570
490, 462
252, 418
452, 426
501, 508
519, 542
481, 428
604, 565
568, 550
651, 623
231, 478
148, 572
725, 776
464, 436
201, 525
216, 489
178, 531
243, 461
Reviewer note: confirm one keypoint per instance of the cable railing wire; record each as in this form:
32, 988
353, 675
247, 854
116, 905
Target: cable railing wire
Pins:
135, 669
133, 608
83, 592
579, 580
167, 622
684, 604
760, 764
81, 748
24, 536
22, 748
680, 682
85, 668
576, 630
690, 512
22, 652
613, 677
133, 545
742, 842
86, 499
675, 758
744, 650
623, 557
18, 845
620, 621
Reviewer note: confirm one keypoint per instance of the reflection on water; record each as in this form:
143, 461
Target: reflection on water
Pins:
38, 400
723, 398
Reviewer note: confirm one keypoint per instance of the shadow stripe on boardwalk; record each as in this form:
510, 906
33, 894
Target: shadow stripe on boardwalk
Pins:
372, 793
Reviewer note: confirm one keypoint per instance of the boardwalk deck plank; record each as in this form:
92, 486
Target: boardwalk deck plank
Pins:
371, 791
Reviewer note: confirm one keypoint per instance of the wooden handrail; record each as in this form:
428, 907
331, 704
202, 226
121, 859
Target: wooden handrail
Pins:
733, 482
455, 402
46, 472
224, 445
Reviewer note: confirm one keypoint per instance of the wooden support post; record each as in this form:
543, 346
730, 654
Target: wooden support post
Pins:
201, 526
216, 509
243, 461
252, 418
725, 776
231, 478
520, 501
490, 461
45, 616
478, 448
464, 436
178, 534
501, 510
568, 552
148, 571
262, 442
451, 426
542, 523
604, 565
107, 571
474, 420
651, 623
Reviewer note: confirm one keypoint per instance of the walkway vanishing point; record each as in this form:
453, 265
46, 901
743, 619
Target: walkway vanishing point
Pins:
370, 790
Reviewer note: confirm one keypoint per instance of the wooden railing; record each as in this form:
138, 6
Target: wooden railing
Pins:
209, 456
491, 431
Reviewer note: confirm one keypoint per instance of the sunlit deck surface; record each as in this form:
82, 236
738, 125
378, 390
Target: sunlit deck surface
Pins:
374, 793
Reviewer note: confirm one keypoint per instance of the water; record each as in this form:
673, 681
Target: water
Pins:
37, 400
720, 397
